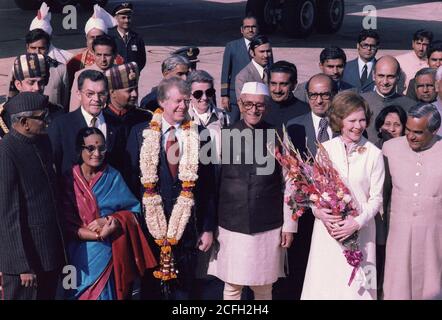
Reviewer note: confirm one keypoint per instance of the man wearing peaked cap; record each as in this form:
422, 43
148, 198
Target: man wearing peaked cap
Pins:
191, 53
256, 225
31, 251
130, 45
123, 93
30, 73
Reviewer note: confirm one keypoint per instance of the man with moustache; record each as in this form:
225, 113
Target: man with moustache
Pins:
284, 106
414, 187
332, 62
416, 59
254, 230
30, 74
424, 85
304, 132
122, 108
236, 57
258, 69
31, 245
386, 75
92, 94
105, 51
434, 54
173, 98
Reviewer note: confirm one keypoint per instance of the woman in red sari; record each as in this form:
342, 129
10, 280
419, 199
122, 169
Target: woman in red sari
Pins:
105, 242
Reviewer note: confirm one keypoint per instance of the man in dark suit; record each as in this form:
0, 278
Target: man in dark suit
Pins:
386, 76
236, 57
332, 63
173, 97
305, 131
359, 72
283, 106
129, 44
93, 94
31, 245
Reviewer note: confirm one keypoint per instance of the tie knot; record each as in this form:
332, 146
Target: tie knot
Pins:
323, 122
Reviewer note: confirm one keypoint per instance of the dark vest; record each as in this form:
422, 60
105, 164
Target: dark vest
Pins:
250, 203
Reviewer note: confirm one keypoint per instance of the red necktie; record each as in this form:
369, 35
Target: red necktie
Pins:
172, 152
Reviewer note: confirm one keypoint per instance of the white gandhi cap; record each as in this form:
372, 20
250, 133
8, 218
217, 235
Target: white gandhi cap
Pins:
255, 88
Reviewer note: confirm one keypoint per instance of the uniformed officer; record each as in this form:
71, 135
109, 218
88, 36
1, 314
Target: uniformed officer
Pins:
30, 74
191, 53
130, 45
122, 108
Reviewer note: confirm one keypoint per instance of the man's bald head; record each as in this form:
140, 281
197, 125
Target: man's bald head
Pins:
388, 61
323, 79
386, 74
320, 91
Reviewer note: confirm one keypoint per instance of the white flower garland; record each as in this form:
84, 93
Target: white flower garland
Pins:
187, 173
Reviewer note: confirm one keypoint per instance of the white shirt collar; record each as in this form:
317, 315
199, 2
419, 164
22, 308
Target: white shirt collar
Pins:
166, 125
122, 34
362, 63
382, 95
316, 119
247, 41
259, 68
88, 117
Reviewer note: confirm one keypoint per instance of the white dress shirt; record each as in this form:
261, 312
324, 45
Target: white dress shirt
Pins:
361, 66
259, 68
316, 120
165, 133
99, 124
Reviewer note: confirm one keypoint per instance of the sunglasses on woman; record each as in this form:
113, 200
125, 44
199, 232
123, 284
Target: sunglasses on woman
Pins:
91, 149
210, 93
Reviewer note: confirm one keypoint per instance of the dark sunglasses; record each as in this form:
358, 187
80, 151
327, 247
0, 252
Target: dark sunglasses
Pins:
210, 93
91, 149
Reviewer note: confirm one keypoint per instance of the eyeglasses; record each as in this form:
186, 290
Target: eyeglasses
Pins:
210, 93
91, 94
368, 46
249, 27
91, 149
323, 95
43, 117
248, 105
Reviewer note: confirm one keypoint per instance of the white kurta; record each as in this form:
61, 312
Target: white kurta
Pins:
328, 272
252, 259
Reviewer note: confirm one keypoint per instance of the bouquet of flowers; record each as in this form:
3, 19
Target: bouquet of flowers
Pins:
315, 182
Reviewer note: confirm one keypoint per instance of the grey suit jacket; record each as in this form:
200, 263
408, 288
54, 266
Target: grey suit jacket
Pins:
377, 103
351, 76
235, 59
302, 133
248, 74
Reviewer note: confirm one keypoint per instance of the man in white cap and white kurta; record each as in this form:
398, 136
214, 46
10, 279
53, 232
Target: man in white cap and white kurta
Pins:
97, 25
43, 21
254, 227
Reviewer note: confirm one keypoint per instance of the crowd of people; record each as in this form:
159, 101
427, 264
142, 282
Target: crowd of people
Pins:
180, 198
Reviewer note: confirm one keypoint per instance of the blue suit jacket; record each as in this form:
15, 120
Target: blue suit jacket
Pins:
235, 58
351, 76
